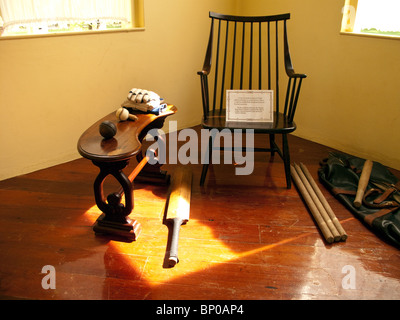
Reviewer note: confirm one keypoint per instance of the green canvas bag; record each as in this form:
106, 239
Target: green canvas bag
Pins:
380, 210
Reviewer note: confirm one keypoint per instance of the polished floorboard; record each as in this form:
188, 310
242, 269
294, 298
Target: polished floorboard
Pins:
248, 238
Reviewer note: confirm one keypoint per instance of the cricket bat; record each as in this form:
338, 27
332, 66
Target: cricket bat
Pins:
178, 208
363, 182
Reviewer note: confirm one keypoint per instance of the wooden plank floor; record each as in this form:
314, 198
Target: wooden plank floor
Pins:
248, 238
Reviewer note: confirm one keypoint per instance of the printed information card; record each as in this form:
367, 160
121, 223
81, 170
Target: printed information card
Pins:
249, 106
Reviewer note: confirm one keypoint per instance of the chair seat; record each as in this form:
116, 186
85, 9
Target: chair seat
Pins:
280, 125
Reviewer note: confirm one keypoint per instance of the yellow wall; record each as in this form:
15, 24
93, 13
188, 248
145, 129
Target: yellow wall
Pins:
52, 89
351, 98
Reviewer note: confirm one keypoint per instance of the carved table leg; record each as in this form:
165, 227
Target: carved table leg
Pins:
153, 172
114, 220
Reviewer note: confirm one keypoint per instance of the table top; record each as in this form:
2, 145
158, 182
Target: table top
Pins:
125, 144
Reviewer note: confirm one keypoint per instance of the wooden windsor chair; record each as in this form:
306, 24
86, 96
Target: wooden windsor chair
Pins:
246, 53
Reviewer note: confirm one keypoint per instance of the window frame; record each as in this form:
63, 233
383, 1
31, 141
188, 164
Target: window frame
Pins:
137, 25
347, 26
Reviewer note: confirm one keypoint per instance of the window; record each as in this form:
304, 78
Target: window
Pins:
32, 17
372, 17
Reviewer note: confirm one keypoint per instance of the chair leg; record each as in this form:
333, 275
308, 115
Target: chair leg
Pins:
203, 174
272, 144
207, 161
286, 160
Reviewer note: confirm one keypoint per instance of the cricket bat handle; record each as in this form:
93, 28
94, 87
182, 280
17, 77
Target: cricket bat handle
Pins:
173, 252
363, 182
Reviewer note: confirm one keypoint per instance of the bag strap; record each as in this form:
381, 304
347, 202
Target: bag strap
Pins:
380, 201
369, 219
388, 192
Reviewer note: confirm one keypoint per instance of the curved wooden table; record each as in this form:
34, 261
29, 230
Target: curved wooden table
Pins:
112, 156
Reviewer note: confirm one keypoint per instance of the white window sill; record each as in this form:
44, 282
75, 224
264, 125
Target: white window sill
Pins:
62, 34
370, 35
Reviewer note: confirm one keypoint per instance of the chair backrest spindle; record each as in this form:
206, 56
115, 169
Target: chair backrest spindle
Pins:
259, 57
224, 66
242, 61
233, 55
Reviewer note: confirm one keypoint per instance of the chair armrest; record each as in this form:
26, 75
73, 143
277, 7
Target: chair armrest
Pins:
288, 60
203, 73
292, 74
